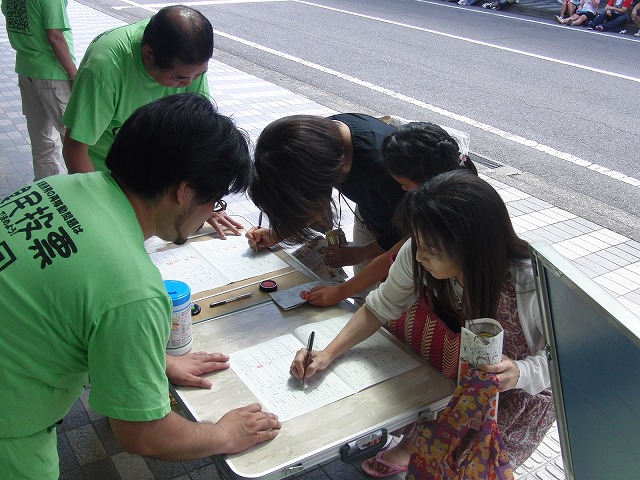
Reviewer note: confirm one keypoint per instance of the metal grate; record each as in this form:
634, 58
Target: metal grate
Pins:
487, 162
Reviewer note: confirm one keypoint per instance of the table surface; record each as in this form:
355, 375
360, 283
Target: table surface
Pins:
288, 277
390, 404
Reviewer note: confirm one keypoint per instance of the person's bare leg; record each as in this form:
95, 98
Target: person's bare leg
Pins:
582, 19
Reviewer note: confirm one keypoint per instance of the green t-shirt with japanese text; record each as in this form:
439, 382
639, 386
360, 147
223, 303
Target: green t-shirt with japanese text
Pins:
81, 302
27, 23
110, 85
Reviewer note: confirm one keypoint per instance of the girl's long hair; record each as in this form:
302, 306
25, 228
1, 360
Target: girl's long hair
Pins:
462, 216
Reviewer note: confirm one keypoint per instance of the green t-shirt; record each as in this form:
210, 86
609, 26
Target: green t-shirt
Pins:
111, 84
27, 22
81, 302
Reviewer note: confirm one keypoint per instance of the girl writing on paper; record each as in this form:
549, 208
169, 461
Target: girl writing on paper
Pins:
300, 159
464, 261
413, 154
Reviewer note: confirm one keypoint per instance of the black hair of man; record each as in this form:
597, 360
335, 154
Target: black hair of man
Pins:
181, 138
179, 33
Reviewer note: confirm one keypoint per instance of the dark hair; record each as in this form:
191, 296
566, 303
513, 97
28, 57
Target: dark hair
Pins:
179, 33
298, 161
420, 151
181, 138
461, 215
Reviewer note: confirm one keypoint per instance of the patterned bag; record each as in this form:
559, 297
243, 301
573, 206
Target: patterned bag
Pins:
464, 442
429, 337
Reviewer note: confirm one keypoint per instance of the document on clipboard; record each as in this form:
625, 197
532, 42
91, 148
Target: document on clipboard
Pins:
264, 368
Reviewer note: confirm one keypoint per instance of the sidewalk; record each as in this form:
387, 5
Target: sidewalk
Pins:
87, 447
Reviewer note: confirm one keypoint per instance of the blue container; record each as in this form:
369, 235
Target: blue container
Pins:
180, 339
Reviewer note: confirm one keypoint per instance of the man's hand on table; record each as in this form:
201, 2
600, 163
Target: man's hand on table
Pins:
244, 427
221, 221
185, 370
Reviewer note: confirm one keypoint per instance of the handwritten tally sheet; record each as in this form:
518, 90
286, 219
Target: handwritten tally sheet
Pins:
264, 369
214, 263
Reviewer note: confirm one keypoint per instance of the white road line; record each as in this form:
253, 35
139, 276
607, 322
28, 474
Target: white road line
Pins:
193, 4
426, 106
461, 118
404, 25
516, 18
476, 42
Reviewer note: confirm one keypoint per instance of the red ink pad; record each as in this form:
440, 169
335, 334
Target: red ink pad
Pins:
268, 286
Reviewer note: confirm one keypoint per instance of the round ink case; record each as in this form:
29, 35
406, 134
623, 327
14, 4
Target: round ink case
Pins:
268, 286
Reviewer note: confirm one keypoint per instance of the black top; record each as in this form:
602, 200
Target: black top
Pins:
368, 183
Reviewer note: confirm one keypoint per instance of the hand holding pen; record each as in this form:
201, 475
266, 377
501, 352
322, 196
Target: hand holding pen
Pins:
260, 237
259, 226
307, 359
308, 362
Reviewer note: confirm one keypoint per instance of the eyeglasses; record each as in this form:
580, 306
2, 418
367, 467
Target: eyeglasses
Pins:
219, 206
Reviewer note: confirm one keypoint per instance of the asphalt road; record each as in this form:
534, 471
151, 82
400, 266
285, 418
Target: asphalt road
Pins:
557, 105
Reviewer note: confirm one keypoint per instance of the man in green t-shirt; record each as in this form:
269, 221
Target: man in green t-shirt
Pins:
128, 67
83, 302
40, 33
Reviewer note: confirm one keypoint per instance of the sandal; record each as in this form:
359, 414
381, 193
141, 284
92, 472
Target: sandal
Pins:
393, 468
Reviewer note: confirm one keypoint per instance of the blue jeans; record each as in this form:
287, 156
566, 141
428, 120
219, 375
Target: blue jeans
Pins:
614, 22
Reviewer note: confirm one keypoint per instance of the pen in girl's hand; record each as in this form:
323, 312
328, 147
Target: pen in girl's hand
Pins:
307, 359
259, 226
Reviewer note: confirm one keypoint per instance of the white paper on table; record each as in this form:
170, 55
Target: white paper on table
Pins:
214, 263
264, 369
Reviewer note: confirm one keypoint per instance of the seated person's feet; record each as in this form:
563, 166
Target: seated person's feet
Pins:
564, 21
387, 463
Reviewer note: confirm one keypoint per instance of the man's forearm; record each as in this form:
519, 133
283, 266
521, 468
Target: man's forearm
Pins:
61, 51
172, 438
176, 438
76, 155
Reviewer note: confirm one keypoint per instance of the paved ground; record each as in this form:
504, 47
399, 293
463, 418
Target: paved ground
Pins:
87, 448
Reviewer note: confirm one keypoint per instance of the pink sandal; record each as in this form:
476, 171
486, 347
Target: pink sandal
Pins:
393, 468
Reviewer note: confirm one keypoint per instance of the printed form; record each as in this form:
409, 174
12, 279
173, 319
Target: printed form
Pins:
264, 369
214, 263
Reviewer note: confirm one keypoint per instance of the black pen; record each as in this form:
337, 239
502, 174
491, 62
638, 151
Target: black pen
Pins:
307, 359
259, 226
232, 299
